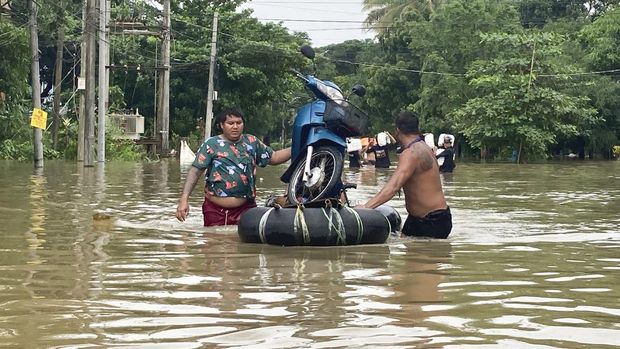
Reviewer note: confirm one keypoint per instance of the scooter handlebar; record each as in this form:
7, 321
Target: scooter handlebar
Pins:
299, 75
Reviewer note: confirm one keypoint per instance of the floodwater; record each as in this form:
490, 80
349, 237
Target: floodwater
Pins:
533, 262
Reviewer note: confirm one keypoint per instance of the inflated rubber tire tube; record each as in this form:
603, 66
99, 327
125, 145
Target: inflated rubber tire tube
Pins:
393, 217
284, 227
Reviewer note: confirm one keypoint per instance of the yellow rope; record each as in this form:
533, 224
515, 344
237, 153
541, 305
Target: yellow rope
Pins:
360, 225
262, 224
389, 224
300, 224
340, 230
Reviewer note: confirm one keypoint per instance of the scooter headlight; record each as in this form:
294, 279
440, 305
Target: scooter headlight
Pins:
331, 92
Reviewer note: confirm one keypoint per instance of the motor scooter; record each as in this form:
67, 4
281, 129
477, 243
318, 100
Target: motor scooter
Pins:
319, 137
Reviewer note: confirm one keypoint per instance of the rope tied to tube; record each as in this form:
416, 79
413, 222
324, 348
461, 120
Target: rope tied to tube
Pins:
299, 225
358, 220
262, 224
334, 223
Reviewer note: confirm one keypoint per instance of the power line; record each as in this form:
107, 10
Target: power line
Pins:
256, 2
339, 29
328, 10
417, 71
600, 72
186, 64
370, 65
308, 20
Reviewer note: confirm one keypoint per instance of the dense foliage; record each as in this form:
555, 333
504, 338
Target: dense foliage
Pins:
540, 77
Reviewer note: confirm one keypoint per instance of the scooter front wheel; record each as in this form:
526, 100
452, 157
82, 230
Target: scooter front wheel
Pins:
326, 166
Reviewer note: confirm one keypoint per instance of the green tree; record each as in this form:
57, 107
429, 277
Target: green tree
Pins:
538, 13
448, 44
347, 64
519, 99
14, 101
14, 61
603, 40
602, 46
382, 13
252, 71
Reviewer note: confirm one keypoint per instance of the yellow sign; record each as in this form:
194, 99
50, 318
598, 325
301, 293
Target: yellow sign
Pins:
39, 118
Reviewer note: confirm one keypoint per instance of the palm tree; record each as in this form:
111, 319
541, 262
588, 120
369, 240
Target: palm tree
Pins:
381, 13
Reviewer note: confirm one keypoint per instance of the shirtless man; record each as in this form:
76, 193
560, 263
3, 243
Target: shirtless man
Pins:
230, 161
417, 173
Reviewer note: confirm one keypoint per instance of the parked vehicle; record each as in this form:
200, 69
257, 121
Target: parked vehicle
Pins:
319, 137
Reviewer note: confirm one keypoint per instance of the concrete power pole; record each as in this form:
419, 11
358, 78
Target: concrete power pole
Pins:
81, 79
37, 133
89, 104
104, 49
209, 115
164, 93
60, 40
108, 14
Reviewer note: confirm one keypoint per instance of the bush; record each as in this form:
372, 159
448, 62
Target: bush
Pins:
124, 150
12, 150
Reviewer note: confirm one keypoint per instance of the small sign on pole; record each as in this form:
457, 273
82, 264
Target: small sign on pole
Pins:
81, 83
39, 118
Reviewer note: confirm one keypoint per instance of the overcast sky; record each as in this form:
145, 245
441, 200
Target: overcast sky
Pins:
327, 22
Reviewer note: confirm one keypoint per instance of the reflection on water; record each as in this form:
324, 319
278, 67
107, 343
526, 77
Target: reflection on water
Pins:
532, 263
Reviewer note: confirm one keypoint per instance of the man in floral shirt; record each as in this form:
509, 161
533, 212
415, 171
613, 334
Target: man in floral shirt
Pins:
230, 161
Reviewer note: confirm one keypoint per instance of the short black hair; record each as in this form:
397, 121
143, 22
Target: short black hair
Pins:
408, 122
221, 117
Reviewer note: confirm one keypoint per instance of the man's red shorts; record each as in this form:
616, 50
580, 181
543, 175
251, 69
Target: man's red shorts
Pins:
217, 215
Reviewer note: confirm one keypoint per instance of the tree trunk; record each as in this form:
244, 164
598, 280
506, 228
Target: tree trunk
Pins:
60, 43
484, 153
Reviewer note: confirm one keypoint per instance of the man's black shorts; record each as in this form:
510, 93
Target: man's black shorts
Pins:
436, 224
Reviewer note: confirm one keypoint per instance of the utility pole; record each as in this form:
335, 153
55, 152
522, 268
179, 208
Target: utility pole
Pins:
103, 88
156, 94
164, 100
81, 79
89, 118
37, 133
209, 115
108, 14
60, 41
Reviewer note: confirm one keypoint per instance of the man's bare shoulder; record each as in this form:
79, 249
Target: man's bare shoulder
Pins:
418, 156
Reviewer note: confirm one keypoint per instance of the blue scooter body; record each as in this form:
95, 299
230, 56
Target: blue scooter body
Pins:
321, 127
309, 129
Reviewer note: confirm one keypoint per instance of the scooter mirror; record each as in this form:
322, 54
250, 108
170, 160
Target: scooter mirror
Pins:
307, 51
359, 90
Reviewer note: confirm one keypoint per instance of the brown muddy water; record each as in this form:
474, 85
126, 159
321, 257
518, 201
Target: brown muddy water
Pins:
533, 262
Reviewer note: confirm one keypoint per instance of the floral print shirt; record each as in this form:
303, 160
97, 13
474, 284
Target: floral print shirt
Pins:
231, 166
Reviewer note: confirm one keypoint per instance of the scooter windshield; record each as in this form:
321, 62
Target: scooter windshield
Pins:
325, 90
